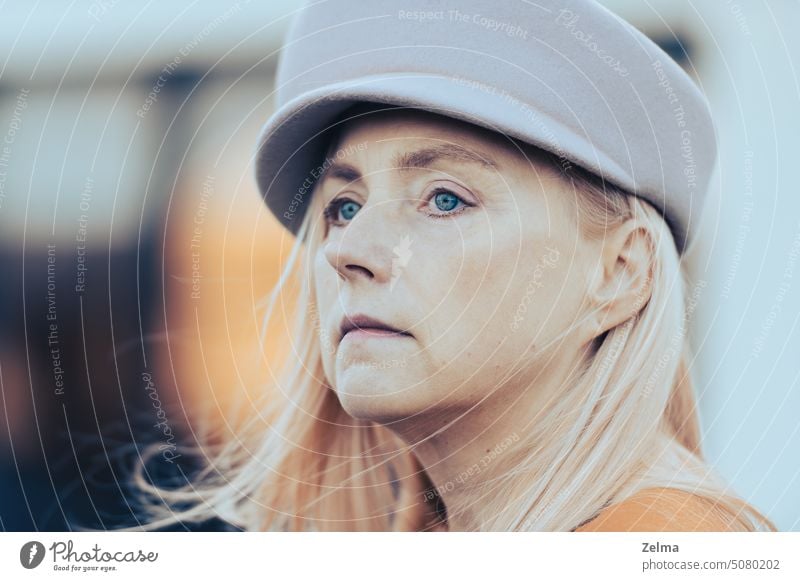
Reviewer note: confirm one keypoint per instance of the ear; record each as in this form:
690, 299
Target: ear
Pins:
623, 282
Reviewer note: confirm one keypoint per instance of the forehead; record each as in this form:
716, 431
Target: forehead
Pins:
394, 128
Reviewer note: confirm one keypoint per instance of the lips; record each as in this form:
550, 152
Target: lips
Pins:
360, 321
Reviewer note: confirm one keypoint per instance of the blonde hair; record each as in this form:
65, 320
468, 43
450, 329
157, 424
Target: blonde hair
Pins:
625, 421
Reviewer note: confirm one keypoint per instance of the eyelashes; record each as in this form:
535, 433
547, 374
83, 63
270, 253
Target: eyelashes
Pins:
331, 211
452, 202
449, 196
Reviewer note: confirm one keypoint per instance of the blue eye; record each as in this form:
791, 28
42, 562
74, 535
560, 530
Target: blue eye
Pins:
344, 206
446, 200
349, 209
447, 203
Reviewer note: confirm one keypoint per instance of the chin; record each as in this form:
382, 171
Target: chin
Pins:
380, 396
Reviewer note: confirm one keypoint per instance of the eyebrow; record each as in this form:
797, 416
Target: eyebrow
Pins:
416, 159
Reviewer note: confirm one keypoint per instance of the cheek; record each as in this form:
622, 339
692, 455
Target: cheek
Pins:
322, 285
535, 305
325, 295
472, 343
457, 281
511, 296
471, 292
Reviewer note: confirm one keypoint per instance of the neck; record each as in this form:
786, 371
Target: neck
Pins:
461, 448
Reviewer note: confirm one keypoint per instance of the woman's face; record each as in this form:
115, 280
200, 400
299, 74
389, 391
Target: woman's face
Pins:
444, 231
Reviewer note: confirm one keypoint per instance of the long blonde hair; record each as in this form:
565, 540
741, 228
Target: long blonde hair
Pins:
626, 420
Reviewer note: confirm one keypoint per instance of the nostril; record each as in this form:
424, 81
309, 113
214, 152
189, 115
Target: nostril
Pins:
357, 268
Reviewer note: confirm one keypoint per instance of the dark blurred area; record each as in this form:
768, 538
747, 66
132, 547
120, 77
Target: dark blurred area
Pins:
121, 165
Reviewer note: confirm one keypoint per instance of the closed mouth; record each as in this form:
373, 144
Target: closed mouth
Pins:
369, 325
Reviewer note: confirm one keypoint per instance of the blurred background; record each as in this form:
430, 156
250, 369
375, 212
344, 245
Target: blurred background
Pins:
137, 256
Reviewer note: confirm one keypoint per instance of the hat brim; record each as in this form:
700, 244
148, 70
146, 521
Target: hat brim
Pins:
294, 140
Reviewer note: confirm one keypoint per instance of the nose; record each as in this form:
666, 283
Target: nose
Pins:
363, 248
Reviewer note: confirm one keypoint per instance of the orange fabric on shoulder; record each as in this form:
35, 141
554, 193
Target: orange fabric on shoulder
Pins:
660, 509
